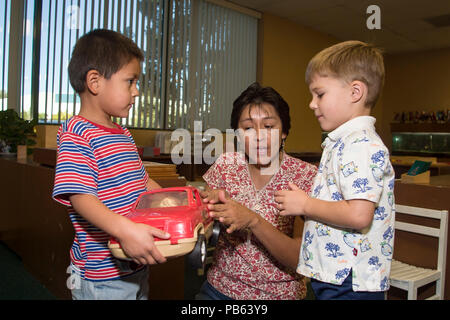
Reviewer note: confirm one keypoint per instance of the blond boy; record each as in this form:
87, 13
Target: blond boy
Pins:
349, 215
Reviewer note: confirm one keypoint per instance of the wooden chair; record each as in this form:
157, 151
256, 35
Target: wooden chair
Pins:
409, 277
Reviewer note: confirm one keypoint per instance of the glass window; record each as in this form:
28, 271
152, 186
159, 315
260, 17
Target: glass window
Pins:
198, 57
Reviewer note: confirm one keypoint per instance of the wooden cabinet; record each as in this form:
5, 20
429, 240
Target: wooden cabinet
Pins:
38, 229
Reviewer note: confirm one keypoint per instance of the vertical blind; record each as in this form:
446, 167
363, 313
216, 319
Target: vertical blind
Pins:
4, 50
16, 43
198, 57
63, 22
212, 59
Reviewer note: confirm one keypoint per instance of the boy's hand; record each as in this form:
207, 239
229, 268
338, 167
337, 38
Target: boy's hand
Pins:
212, 195
291, 202
138, 243
136, 239
232, 213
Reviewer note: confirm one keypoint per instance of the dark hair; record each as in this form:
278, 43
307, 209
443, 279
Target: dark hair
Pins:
256, 95
103, 50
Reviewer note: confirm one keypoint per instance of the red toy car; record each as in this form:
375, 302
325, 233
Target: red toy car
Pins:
181, 212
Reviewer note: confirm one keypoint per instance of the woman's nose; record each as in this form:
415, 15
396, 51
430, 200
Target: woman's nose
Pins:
261, 134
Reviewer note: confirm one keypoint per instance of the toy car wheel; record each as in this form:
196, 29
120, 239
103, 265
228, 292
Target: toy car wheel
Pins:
215, 234
197, 257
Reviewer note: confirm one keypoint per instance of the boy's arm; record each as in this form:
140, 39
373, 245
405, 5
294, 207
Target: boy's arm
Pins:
136, 239
355, 214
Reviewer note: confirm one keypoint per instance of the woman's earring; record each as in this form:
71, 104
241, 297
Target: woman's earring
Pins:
282, 144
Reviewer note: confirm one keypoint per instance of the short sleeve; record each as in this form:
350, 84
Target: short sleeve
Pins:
362, 168
76, 168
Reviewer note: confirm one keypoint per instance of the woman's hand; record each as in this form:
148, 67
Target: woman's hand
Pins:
212, 195
232, 213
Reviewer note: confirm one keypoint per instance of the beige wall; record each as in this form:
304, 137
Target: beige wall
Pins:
286, 50
417, 81
414, 81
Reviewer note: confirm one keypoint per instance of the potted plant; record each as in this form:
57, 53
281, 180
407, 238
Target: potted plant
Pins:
15, 131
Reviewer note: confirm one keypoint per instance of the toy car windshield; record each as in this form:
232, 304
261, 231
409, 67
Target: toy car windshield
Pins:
163, 200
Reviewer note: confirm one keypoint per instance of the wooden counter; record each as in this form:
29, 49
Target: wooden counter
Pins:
417, 249
38, 229
401, 164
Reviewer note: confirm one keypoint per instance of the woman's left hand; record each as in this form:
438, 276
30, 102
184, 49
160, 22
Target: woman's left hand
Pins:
232, 214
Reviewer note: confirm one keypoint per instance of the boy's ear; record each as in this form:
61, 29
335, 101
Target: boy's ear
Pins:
359, 90
93, 78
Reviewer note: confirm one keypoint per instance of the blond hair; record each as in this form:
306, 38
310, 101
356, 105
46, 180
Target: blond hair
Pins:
350, 61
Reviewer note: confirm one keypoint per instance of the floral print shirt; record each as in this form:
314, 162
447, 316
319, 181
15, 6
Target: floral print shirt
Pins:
242, 267
354, 165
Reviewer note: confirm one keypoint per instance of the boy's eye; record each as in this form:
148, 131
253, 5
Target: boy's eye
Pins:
133, 81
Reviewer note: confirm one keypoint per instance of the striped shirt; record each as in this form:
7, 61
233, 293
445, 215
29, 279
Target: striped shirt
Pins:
105, 163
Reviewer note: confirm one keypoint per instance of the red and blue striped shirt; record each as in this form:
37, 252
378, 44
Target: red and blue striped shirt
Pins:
105, 163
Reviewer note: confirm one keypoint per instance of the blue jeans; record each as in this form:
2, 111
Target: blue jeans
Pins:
328, 291
132, 287
208, 292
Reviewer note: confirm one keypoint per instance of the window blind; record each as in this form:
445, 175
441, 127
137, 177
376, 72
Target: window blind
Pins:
199, 56
63, 22
212, 60
5, 10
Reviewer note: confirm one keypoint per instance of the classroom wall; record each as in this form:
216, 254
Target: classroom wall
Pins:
418, 81
285, 51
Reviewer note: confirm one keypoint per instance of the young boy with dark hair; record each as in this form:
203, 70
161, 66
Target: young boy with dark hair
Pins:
349, 229
99, 174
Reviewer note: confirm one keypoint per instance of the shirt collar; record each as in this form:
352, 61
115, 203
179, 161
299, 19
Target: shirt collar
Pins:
355, 124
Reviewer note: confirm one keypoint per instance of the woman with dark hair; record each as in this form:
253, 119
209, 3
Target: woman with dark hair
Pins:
256, 257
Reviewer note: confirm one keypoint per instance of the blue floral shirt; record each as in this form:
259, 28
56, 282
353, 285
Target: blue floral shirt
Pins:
354, 165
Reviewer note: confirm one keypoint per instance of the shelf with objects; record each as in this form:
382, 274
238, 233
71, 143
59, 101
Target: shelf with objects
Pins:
421, 136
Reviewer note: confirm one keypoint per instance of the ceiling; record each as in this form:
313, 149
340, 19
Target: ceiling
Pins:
403, 22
